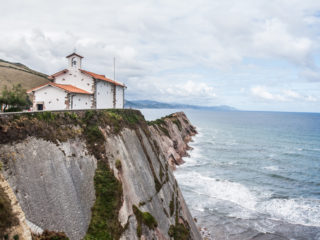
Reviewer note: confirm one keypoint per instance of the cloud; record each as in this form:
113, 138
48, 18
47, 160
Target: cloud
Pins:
155, 40
191, 89
291, 94
275, 40
284, 95
311, 99
262, 92
311, 74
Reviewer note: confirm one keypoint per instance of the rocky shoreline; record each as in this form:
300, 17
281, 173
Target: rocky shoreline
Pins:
173, 133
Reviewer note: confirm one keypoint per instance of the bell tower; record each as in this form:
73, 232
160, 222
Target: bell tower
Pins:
74, 61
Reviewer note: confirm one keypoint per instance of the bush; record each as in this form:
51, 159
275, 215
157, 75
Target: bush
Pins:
118, 164
104, 223
94, 134
179, 232
144, 218
15, 99
50, 235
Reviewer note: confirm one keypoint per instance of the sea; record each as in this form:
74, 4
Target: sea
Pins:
252, 175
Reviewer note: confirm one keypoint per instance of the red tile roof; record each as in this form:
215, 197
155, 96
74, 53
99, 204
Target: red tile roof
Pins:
58, 73
101, 77
36, 88
72, 89
68, 88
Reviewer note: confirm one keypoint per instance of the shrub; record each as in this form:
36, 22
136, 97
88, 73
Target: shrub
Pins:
144, 218
50, 235
94, 134
14, 99
104, 223
179, 232
118, 164
171, 205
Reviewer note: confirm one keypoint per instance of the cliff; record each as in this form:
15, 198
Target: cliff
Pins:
101, 174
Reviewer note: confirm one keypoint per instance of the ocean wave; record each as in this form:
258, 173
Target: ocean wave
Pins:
218, 189
296, 211
273, 168
278, 176
214, 192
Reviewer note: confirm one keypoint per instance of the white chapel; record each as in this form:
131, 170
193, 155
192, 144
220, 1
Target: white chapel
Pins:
75, 88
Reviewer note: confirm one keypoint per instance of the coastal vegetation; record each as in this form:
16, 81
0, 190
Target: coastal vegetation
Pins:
104, 223
50, 235
144, 218
93, 127
14, 99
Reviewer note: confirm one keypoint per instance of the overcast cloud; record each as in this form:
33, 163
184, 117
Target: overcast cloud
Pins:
255, 55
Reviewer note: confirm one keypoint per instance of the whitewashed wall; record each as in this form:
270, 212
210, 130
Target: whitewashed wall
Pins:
119, 96
52, 98
81, 101
76, 78
104, 95
78, 62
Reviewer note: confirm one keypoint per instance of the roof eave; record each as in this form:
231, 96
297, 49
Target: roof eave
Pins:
74, 54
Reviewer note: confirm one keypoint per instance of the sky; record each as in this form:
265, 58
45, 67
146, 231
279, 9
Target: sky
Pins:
249, 54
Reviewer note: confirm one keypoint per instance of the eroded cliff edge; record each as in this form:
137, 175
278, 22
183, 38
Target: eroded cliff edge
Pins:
103, 174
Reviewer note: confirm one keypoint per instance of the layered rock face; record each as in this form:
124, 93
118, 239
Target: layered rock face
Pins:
98, 173
173, 133
16, 223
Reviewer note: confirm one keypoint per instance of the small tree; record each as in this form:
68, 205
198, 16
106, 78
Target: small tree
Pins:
15, 99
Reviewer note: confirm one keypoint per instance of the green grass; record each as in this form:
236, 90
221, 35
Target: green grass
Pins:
162, 125
62, 126
93, 134
143, 218
179, 232
178, 123
104, 223
71, 115
118, 164
171, 205
46, 116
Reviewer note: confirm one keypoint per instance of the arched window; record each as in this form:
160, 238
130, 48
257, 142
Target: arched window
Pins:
73, 62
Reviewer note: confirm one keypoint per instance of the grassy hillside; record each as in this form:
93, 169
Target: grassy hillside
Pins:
15, 73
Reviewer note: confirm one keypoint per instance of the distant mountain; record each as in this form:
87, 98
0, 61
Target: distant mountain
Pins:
17, 73
155, 104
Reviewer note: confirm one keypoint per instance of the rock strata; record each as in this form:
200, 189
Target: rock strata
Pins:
66, 169
173, 133
19, 228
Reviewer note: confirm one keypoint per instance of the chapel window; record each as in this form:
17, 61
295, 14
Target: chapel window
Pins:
73, 62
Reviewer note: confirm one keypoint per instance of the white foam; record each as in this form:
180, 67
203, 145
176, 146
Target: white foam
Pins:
272, 168
297, 211
212, 191
218, 189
